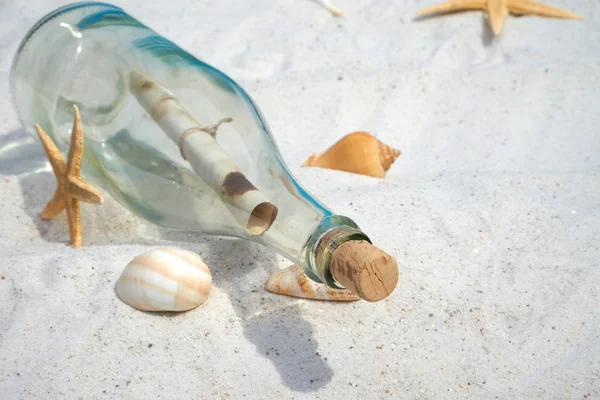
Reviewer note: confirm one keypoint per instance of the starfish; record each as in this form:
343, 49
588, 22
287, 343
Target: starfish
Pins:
70, 188
497, 10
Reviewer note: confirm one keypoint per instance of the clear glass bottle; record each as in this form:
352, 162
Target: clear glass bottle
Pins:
89, 54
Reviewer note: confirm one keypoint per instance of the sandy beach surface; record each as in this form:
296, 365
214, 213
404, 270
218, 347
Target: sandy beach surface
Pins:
492, 211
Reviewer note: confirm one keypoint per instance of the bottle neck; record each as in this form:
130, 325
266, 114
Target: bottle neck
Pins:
331, 232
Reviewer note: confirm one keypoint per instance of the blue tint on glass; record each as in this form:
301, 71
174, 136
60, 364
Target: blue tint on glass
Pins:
108, 18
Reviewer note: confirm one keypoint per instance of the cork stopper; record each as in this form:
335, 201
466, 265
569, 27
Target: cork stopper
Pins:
364, 269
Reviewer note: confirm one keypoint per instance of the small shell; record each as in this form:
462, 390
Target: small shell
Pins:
292, 281
357, 152
331, 8
166, 279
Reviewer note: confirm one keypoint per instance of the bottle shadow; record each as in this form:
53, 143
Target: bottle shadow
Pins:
20, 153
273, 324
22, 157
488, 38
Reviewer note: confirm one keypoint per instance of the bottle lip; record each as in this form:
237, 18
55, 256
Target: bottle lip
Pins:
327, 244
335, 230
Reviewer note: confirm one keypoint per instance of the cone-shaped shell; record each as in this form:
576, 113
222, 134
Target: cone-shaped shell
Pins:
292, 281
357, 152
166, 279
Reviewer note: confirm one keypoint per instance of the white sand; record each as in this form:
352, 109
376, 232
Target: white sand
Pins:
493, 212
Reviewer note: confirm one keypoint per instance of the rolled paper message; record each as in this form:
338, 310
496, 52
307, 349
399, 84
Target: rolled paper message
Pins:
199, 147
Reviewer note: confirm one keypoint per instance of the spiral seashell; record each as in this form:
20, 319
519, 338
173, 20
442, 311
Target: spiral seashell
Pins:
292, 281
165, 279
357, 152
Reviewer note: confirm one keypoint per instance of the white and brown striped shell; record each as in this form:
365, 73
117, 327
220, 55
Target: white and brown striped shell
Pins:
165, 279
292, 281
357, 152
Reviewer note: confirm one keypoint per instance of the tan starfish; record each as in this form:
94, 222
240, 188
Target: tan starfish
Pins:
497, 10
71, 188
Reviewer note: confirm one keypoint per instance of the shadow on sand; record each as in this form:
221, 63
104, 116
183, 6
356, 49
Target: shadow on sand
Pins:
279, 334
487, 36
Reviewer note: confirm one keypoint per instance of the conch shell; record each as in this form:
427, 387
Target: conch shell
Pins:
292, 281
165, 279
357, 152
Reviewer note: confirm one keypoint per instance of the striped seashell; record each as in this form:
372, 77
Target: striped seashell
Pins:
357, 152
165, 279
292, 281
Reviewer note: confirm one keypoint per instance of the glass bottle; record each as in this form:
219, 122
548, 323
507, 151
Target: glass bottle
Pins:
147, 108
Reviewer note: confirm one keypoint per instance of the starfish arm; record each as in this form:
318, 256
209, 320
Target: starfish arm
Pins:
496, 12
76, 148
54, 206
74, 220
453, 5
528, 7
83, 191
52, 152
